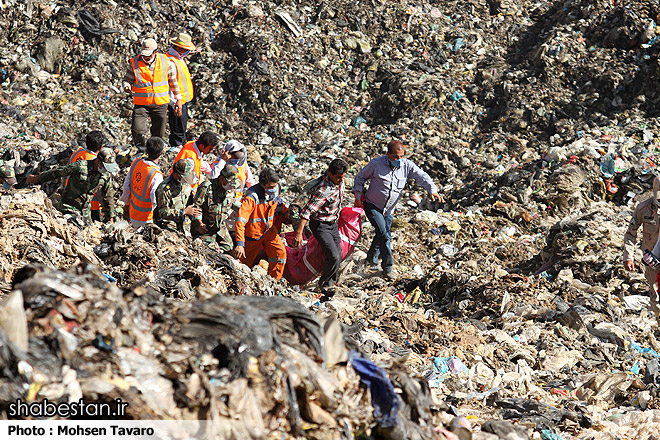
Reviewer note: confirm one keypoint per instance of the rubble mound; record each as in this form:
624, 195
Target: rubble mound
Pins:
511, 316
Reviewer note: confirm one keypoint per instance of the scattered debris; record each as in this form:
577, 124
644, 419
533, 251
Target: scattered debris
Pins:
511, 317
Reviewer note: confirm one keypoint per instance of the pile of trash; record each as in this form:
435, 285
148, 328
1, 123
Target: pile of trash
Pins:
194, 334
511, 317
253, 363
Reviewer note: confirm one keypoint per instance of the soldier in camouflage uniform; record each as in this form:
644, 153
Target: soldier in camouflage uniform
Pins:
172, 197
85, 178
215, 198
9, 158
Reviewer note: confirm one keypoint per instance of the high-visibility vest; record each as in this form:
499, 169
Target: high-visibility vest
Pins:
188, 151
150, 88
83, 154
183, 78
242, 172
258, 215
242, 175
142, 176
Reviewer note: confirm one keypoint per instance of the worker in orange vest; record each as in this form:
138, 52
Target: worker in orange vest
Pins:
196, 150
140, 184
94, 141
234, 153
150, 77
177, 112
259, 222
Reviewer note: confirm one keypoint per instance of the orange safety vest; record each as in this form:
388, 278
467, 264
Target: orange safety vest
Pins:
150, 88
242, 172
83, 154
242, 175
188, 151
258, 215
142, 175
183, 78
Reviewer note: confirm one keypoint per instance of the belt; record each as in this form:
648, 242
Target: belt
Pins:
323, 221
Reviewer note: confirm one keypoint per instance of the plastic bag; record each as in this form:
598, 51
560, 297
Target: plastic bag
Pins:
305, 263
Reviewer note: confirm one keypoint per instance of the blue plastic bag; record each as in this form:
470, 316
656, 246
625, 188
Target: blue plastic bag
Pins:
383, 396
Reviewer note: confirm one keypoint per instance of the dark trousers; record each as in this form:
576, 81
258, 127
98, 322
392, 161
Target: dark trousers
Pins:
381, 245
141, 115
177, 125
327, 235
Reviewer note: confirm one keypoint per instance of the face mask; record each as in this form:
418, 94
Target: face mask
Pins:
184, 54
233, 161
396, 163
271, 192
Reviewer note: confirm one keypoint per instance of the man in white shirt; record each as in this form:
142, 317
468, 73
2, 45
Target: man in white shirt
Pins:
144, 176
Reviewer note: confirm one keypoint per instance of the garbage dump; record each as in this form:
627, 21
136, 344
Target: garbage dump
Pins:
139, 343
510, 316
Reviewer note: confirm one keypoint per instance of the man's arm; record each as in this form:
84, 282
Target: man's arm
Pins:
422, 178
244, 213
247, 206
109, 198
362, 176
56, 173
126, 189
315, 202
155, 183
205, 167
298, 239
166, 211
286, 217
129, 78
200, 199
219, 164
172, 73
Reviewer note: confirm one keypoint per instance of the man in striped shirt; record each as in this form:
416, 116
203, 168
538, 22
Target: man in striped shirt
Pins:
322, 213
177, 112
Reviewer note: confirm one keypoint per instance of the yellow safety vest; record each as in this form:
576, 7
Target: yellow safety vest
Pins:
183, 78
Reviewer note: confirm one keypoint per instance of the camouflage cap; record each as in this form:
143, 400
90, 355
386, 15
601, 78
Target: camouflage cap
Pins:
107, 157
184, 167
229, 171
7, 175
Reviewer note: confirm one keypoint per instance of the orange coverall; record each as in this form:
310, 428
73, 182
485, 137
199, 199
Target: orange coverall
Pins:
258, 227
